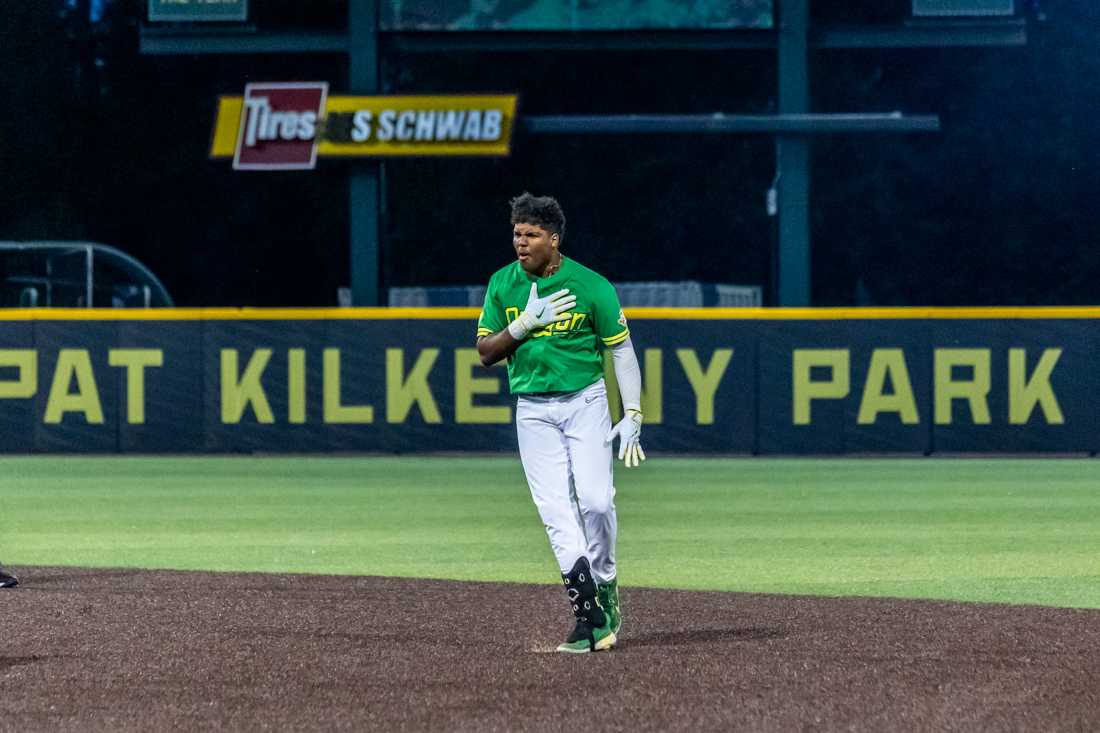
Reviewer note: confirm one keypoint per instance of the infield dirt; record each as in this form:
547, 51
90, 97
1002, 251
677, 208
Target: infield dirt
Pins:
126, 650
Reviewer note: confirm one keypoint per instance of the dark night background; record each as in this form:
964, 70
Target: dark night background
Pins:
99, 142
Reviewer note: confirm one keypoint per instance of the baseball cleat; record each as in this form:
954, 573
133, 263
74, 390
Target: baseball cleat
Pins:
593, 631
608, 595
7, 579
588, 638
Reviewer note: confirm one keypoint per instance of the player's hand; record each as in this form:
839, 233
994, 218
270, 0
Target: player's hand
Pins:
542, 311
629, 430
552, 308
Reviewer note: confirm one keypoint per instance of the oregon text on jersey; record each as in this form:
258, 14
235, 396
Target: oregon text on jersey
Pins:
573, 324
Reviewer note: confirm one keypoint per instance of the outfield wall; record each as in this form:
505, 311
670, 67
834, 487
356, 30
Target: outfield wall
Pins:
716, 380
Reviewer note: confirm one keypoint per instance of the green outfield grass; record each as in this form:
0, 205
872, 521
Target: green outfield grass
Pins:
1017, 531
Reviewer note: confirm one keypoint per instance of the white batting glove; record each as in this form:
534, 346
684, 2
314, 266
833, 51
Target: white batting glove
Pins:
629, 430
542, 312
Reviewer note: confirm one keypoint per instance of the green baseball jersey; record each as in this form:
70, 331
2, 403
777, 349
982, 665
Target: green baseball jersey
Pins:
564, 356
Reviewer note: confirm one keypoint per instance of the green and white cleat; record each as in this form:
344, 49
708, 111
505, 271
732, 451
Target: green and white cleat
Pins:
588, 638
608, 596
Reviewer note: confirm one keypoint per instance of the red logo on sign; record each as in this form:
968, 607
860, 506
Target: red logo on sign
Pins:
279, 126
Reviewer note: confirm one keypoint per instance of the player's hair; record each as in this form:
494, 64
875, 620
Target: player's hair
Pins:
543, 211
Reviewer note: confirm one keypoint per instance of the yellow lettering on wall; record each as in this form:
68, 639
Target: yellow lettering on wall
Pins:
238, 394
467, 385
403, 393
652, 386
70, 363
887, 362
26, 362
704, 382
335, 412
652, 383
296, 386
135, 361
1023, 394
614, 402
805, 390
975, 391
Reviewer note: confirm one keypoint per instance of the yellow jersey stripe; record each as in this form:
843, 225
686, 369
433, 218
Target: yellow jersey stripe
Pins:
617, 338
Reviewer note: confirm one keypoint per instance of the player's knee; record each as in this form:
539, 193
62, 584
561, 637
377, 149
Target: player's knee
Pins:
600, 504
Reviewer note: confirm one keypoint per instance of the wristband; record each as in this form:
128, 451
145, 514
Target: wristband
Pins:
519, 328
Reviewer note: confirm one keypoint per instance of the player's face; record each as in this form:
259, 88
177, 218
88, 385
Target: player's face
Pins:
534, 246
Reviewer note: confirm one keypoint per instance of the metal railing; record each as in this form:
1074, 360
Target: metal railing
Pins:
76, 274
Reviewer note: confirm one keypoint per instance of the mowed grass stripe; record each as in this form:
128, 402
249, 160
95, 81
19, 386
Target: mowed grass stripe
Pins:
1007, 530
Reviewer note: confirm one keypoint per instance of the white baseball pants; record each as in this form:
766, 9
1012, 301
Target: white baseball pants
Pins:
569, 470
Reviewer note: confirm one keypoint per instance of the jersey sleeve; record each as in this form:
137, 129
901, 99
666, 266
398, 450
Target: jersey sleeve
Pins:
491, 319
609, 321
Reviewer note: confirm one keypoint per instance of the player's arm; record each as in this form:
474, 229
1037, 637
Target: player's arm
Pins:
497, 346
629, 376
538, 313
611, 327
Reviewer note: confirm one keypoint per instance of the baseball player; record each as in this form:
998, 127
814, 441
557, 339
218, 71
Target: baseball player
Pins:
551, 317
7, 579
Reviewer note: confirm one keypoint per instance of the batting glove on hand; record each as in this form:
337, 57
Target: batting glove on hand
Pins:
542, 311
629, 430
